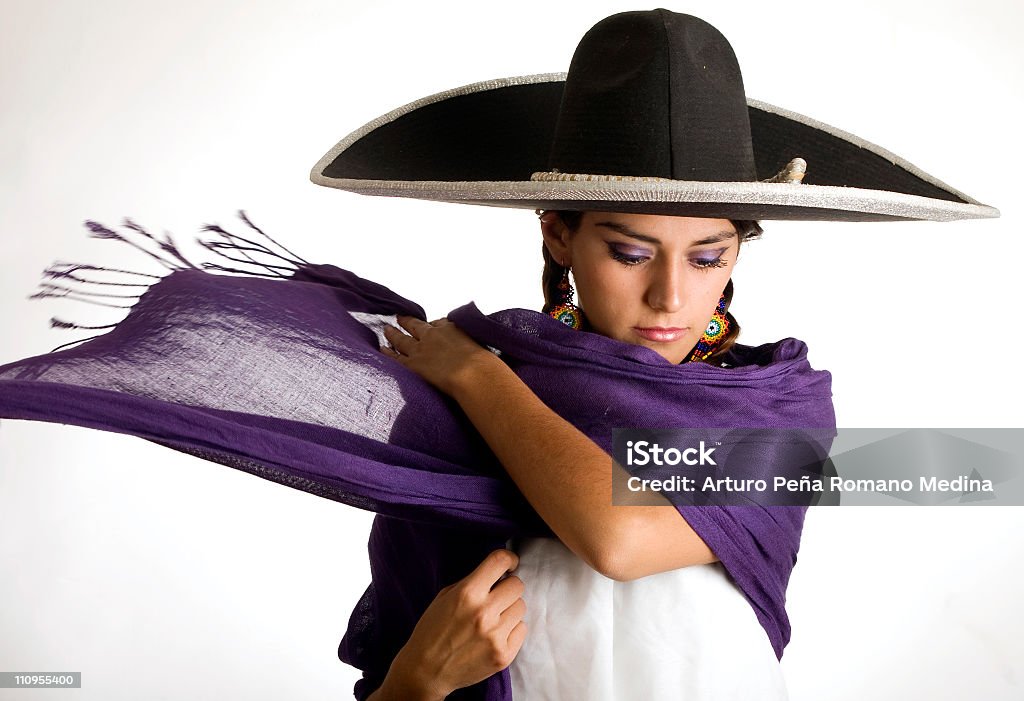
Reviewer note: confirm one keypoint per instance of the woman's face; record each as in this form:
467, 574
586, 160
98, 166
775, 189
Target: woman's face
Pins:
647, 279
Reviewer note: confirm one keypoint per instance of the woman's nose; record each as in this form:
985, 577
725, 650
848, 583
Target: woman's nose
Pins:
665, 292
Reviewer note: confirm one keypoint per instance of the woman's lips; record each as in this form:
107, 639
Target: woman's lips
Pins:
661, 334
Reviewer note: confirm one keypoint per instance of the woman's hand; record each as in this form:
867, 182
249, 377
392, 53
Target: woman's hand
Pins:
439, 352
473, 629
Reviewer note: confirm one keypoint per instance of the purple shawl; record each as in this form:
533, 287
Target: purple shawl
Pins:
278, 373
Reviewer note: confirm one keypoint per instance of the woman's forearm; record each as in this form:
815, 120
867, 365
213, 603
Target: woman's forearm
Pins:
566, 477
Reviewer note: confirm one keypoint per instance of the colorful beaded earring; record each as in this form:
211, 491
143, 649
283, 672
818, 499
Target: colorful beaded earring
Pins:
713, 334
564, 309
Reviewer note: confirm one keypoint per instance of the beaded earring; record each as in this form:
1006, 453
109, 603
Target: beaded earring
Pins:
713, 334
564, 309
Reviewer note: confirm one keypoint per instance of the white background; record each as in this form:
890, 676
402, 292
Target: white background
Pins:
157, 575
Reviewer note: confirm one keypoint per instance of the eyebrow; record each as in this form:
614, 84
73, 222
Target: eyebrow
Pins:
626, 231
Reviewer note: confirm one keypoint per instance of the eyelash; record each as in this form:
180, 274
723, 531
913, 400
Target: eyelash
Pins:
631, 261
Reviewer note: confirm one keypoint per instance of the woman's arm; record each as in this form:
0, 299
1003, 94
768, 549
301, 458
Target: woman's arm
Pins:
564, 475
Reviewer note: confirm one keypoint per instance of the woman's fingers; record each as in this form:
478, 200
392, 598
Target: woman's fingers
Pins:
505, 592
510, 618
415, 327
411, 324
401, 342
516, 638
496, 603
505, 598
491, 569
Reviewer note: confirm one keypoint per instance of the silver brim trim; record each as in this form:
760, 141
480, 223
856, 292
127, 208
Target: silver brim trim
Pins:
788, 195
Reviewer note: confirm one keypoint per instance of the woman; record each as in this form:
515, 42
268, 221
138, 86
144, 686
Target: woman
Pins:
651, 137
722, 213
653, 281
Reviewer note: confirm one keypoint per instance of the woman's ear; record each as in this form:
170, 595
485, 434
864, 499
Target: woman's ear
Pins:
556, 238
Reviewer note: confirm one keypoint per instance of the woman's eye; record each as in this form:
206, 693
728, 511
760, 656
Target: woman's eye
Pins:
709, 262
626, 258
710, 259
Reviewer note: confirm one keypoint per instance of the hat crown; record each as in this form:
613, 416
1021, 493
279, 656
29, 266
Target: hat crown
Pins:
655, 94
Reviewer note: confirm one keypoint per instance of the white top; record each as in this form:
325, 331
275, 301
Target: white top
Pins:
685, 634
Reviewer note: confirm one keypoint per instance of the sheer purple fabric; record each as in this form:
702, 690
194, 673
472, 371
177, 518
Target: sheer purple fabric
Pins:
281, 376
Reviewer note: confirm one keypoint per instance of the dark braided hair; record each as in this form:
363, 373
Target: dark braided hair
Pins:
552, 275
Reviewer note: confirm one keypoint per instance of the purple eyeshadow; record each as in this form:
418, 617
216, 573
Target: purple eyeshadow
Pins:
711, 256
630, 250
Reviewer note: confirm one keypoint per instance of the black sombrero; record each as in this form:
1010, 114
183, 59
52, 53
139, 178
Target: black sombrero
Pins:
651, 117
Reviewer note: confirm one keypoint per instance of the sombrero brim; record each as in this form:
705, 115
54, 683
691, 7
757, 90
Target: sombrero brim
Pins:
482, 143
